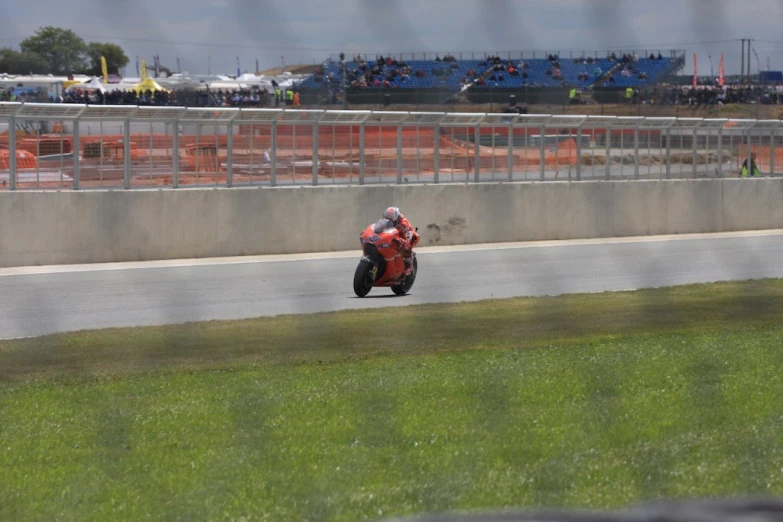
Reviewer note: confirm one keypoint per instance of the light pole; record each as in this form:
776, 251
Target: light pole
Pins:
342, 64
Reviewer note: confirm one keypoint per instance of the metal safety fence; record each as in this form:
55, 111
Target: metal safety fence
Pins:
63, 146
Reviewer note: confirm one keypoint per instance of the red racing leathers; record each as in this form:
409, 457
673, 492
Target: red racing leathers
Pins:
405, 229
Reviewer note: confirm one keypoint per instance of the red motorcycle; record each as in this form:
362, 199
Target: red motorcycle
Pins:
382, 263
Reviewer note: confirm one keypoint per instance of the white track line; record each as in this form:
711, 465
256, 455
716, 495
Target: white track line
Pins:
216, 261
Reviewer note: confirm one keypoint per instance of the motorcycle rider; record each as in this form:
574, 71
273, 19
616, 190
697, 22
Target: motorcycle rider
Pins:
406, 236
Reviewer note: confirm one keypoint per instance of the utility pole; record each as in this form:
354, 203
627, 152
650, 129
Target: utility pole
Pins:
742, 67
342, 65
744, 73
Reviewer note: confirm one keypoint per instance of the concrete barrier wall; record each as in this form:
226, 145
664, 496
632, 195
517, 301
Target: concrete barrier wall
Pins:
38, 228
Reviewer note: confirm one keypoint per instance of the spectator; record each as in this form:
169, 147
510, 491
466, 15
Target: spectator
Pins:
754, 169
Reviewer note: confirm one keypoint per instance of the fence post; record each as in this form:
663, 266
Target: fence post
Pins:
720, 152
229, 154
126, 155
151, 148
273, 155
543, 151
608, 159
579, 153
315, 153
772, 154
175, 153
510, 151
436, 155
668, 152
476, 154
399, 154
361, 154
12, 152
76, 147
694, 153
636, 152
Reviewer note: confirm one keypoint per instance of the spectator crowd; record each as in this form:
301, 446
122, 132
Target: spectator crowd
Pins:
251, 97
626, 66
146, 98
494, 69
705, 95
382, 72
11, 94
388, 72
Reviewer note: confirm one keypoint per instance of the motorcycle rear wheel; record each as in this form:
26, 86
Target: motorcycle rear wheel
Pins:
405, 287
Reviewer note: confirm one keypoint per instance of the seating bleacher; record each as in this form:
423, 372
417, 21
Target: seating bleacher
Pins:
570, 69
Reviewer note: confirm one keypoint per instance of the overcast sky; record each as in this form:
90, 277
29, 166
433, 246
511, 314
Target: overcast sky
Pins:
308, 31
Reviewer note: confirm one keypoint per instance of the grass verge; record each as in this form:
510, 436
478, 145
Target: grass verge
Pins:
591, 401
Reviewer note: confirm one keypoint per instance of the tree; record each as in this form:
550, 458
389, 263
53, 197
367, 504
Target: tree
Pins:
14, 62
62, 49
115, 58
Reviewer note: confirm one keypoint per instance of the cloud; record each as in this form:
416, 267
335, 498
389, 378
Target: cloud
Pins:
311, 30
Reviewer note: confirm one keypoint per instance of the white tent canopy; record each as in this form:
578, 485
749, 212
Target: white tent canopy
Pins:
249, 78
94, 84
179, 82
225, 86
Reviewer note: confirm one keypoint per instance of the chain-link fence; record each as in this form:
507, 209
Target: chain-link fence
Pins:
60, 146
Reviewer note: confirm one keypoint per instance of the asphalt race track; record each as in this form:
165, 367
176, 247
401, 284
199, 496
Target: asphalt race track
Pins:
42, 300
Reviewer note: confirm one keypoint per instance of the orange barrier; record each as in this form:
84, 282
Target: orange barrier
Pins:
287, 138
207, 153
564, 153
24, 160
337, 136
157, 141
51, 142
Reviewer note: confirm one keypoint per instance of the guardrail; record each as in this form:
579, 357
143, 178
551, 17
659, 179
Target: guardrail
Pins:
68, 146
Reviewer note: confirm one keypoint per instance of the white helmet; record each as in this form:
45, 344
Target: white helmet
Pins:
392, 214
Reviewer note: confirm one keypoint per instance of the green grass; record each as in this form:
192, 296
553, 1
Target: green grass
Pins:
590, 401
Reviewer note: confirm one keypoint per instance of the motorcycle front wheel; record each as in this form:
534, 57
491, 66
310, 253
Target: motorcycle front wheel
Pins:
363, 279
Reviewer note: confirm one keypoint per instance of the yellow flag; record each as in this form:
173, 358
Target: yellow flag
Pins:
104, 70
143, 69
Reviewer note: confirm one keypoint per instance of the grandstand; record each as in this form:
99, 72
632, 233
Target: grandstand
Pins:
365, 80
